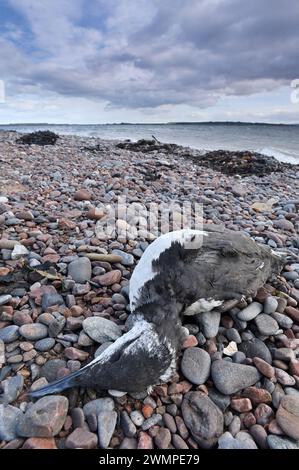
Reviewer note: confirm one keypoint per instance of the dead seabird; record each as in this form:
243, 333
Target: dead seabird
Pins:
180, 273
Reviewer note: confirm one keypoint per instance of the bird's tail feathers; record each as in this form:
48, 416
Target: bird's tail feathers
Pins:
57, 386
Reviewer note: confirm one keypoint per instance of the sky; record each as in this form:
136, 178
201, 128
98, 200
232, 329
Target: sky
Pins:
99, 61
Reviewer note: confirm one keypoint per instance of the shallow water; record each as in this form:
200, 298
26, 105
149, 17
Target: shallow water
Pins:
280, 141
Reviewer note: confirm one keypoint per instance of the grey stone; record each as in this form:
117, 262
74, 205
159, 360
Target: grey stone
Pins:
243, 440
129, 443
222, 401
209, 323
80, 270
266, 324
203, 418
44, 418
196, 365
279, 442
127, 258
250, 312
8, 334
229, 377
152, 421
9, 416
56, 326
127, 425
46, 344
4, 299
284, 354
98, 405
283, 321
270, 305
106, 426
11, 389
101, 330
137, 418
34, 331
239, 357
84, 339
256, 348
51, 368
233, 335
2, 352
78, 418
50, 299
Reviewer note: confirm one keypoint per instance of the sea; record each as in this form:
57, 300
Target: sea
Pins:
278, 140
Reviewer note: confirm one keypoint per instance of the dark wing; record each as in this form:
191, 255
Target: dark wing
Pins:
231, 264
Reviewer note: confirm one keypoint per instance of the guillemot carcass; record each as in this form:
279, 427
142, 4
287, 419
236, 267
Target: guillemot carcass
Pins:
181, 273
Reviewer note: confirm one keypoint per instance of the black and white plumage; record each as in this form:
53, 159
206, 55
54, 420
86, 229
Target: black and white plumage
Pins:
181, 273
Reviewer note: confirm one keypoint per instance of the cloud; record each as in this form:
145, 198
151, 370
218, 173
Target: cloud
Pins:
147, 53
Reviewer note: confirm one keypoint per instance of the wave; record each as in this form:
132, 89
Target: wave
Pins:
280, 156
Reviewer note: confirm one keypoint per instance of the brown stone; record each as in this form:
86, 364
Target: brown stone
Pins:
287, 416
262, 295
145, 441
76, 354
95, 213
181, 427
67, 224
274, 428
81, 439
257, 395
294, 367
104, 258
263, 414
40, 443
248, 419
76, 311
163, 438
241, 404
147, 411
110, 278
190, 342
82, 195
266, 369
293, 313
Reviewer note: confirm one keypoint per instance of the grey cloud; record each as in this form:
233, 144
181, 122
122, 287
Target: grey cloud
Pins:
152, 53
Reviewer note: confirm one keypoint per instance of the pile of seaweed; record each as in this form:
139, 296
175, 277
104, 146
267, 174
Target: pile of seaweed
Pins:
241, 163
38, 138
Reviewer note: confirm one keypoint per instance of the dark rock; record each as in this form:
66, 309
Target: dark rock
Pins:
256, 348
203, 418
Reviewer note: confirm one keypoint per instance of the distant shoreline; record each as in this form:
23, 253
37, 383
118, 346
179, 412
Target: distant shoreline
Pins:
175, 123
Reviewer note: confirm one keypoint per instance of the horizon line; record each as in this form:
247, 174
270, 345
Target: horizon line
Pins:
151, 123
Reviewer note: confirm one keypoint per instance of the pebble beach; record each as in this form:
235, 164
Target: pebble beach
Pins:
64, 287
